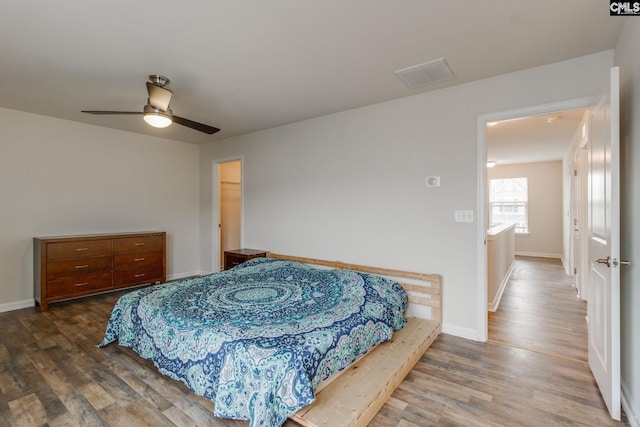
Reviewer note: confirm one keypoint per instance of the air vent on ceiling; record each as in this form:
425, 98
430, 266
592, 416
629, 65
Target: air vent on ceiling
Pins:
426, 73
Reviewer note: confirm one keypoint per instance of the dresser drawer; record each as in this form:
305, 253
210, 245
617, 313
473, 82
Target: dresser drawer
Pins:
231, 260
138, 276
238, 256
138, 244
135, 260
78, 266
70, 286
77, 249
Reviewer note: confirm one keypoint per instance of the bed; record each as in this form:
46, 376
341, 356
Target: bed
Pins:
274, 338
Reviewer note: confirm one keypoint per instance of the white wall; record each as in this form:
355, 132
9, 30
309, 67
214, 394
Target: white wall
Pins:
544, 186
627, 56
59, 177
350, 186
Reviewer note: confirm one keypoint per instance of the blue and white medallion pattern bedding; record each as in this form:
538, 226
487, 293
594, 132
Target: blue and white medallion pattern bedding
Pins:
259, 338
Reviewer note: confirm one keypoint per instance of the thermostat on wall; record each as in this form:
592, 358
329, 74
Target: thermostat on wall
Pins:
433, 181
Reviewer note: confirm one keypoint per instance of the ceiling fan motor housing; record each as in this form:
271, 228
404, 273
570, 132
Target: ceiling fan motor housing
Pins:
159, 80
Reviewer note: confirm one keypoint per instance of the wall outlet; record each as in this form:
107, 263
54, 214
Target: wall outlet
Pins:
432, 181
464, 216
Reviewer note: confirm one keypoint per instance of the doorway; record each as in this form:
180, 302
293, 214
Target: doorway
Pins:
483, 220
530, 265
230, 209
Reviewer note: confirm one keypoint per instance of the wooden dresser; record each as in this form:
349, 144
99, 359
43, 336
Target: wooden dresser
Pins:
238, 256
73, 266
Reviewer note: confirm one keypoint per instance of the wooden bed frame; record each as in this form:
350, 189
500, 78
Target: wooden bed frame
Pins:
354, 396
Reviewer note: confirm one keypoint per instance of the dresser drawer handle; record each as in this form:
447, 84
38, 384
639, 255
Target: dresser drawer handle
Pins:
82, 266
139, 259
82, 249
82, 284
139, 244
139, 275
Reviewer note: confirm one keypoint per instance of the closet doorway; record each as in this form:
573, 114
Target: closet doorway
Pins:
230, 203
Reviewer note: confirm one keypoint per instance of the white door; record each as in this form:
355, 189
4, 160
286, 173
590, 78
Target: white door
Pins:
603, 306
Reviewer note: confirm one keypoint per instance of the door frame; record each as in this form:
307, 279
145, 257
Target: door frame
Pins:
215, 208
481, 208
582, 214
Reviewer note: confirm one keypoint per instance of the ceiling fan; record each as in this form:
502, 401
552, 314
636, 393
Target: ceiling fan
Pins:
157, 112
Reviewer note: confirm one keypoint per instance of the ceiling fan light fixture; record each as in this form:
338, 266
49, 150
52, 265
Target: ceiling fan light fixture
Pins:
157, 118
157, 112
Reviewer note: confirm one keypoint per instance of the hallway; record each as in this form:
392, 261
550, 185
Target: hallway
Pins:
540, 311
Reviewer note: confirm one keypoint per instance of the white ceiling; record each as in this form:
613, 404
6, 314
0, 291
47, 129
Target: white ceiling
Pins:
539, 138
245, 65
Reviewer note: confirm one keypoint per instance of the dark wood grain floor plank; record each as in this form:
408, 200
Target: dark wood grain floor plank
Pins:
27, 411
81, 410
97, 396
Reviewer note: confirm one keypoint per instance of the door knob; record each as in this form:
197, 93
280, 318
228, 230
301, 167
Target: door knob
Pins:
606, 260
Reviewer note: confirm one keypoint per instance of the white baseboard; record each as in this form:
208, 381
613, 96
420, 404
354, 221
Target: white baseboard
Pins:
496, 300
632, 412
17, 305
539, 255
470, 334
178, 276
565, 264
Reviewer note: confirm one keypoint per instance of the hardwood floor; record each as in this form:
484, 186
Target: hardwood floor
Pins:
51, 374
540, 311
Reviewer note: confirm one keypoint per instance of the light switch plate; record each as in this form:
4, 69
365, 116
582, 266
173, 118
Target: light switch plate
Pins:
463, 216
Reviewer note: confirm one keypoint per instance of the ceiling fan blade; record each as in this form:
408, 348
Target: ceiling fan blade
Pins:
195, 125
111, 112
159, 97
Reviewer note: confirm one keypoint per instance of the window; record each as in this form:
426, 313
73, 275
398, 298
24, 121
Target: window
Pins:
508, 203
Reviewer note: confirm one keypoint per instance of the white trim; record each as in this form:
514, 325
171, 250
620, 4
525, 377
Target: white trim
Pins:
539, 255
481, 231
17, 305
496, 301
179, 276
567, 268
483, 119
632, 412
470, 334
203, 273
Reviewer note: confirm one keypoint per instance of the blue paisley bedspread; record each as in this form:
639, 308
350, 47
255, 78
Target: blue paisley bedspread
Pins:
259, 338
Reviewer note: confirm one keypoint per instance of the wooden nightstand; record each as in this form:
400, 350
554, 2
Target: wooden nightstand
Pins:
238, 256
